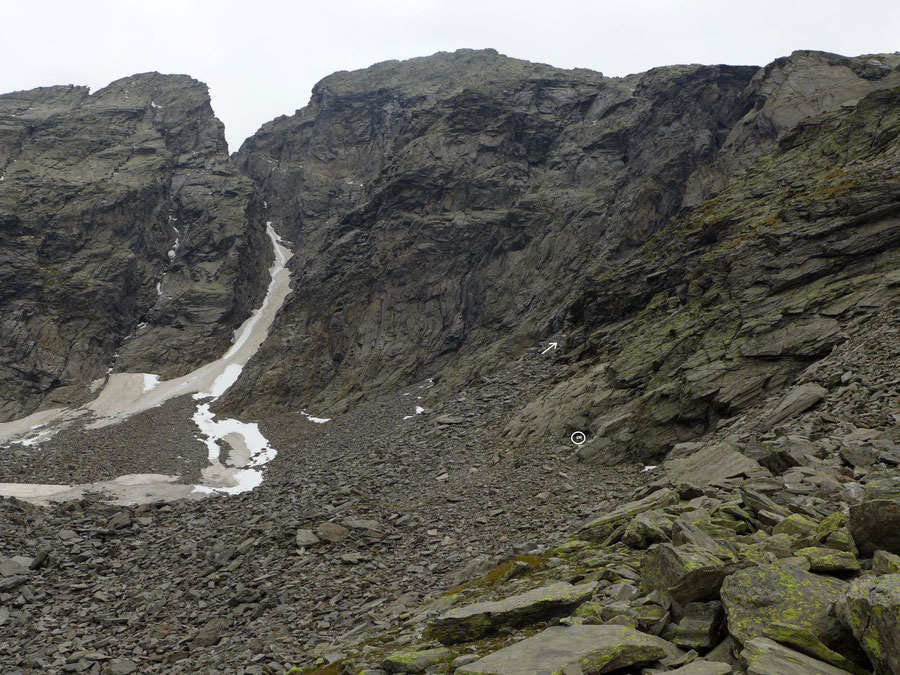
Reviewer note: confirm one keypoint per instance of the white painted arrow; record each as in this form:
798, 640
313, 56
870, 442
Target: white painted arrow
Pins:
553, 345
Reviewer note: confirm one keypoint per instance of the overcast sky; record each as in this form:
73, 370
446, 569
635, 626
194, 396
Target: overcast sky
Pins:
261, 57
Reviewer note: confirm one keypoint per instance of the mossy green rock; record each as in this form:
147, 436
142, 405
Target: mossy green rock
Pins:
885, 563
809, 644
871, 610
687, 573
646, 529
766, 657
471, 622
593, 649
829, 560
601, 527
796, 525
416, 661
830, 524
758, 597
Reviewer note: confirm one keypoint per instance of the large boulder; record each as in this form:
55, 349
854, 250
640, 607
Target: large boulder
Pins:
755, 598
593, 649
711, 465
471, 622
875, 523
766, 657
871, 610
688, 573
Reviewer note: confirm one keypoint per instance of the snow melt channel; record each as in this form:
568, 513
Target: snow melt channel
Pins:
127, 394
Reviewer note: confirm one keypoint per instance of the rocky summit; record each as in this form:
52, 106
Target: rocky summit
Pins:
471, 365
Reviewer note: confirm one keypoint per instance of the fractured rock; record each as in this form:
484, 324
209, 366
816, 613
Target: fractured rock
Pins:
701, 626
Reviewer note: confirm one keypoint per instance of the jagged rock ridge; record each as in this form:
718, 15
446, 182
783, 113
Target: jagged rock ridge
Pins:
129, 239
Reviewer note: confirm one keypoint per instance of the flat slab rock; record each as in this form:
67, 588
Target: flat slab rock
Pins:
594, 649
767, 657
471, 622
711, 465
703, 668
797, 400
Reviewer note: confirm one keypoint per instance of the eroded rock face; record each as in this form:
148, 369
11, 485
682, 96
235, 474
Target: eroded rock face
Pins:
125, 228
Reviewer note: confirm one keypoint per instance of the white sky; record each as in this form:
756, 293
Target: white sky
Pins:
261, 57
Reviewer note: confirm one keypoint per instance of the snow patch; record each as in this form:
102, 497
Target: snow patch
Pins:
648, 468
223, 382
419, 411
36, 439
317, 420
150, 381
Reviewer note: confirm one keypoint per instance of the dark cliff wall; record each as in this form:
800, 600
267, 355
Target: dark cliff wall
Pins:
696, 235
444, 208
94, 187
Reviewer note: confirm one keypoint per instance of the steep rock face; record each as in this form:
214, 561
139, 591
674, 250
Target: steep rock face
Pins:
697, 235
129, 240
443, 209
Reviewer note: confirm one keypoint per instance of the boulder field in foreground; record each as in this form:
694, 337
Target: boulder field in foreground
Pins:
732, 567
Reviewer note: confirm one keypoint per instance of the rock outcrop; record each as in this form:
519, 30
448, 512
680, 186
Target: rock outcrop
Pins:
130, 241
